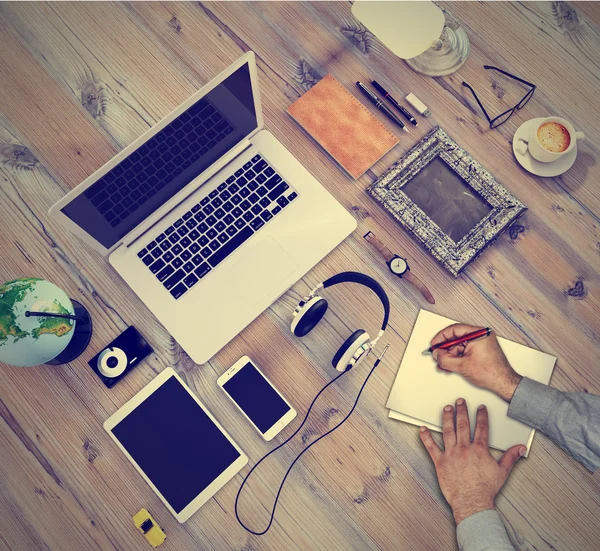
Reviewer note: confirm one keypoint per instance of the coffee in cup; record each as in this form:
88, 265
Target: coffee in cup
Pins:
551, 138
554, 137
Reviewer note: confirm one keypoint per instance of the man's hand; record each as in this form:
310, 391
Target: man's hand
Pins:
480, 362
470, 478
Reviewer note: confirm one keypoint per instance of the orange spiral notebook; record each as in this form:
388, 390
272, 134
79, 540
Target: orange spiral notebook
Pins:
342, 126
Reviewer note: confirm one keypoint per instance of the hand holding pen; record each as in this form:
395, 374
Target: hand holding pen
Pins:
459, 340
480, 360
379, 104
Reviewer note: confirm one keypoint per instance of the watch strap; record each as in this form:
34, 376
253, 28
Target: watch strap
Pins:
412, 278
374, 240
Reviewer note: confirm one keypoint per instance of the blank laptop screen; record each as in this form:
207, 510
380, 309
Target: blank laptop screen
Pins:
167, 162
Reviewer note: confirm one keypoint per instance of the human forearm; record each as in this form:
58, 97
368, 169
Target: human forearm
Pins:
571, 419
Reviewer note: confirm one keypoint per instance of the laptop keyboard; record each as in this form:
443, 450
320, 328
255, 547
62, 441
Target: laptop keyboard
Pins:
166, 155
216, 226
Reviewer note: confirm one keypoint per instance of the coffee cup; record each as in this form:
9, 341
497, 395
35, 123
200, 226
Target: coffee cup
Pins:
551, 138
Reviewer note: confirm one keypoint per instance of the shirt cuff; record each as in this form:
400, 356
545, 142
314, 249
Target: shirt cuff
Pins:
483, 531
532, 402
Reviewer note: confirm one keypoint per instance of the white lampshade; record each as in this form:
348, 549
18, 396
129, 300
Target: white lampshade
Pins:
406, 28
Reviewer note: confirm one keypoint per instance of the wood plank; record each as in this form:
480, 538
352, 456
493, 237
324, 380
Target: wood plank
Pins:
39, 502
512, 29
590, 10
59, 51
67, 133
157, 54
101, 416
494, 256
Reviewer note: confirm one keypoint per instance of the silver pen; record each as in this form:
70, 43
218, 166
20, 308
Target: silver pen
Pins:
380, 105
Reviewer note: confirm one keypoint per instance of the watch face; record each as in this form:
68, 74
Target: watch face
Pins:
398, 265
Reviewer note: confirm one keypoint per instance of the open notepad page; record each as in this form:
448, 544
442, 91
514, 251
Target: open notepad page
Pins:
421, 390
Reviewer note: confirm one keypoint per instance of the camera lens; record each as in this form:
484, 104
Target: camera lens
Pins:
112, 362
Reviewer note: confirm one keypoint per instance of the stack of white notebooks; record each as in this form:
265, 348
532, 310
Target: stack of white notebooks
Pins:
421, 389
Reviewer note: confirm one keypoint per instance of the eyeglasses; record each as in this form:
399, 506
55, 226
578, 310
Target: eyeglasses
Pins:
503, 117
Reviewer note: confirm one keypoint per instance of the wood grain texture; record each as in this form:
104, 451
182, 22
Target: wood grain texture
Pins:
80, 81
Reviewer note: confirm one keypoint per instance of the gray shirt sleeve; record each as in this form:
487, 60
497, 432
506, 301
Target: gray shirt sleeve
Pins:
483, 531
570, 419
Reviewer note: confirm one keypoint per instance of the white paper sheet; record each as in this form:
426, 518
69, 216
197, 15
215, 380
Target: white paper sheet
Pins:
421, 390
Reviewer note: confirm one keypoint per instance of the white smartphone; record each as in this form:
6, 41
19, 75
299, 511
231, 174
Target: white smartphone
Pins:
256, 397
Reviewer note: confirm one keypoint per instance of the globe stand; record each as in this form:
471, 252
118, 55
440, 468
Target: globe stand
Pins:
81, 336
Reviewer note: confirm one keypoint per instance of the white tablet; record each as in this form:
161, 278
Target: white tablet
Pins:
176, 444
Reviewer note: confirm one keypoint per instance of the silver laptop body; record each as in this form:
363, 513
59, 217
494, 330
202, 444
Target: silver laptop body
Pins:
208, 217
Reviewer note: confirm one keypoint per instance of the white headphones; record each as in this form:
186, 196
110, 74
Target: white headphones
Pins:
312, 308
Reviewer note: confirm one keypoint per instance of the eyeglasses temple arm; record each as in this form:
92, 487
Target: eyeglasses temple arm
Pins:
509, 75
477, 100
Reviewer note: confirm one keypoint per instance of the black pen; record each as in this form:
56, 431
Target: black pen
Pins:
379, 104
402, 110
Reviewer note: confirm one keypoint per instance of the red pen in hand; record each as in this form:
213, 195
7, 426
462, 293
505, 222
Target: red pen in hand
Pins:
485, 332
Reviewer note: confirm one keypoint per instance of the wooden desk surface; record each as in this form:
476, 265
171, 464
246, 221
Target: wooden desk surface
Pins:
78, 82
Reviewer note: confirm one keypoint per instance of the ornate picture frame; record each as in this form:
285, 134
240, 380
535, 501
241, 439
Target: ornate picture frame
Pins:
490, 199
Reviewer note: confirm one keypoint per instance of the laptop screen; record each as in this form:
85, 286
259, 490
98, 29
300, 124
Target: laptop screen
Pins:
132, 190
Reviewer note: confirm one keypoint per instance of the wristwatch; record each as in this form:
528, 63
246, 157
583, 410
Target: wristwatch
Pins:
399, 266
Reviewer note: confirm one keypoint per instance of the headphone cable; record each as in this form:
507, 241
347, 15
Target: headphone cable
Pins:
307, 447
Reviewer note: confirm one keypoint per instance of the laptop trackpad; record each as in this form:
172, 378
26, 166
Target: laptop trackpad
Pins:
261, 271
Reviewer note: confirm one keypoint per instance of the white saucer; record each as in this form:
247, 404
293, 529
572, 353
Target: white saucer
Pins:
534, 166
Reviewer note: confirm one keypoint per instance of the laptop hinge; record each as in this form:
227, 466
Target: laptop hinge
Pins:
155, 218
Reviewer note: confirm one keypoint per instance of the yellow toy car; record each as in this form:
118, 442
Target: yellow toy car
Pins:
147, 526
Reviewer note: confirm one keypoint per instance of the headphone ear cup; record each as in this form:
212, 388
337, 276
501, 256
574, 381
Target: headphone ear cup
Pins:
342, 357
307, 317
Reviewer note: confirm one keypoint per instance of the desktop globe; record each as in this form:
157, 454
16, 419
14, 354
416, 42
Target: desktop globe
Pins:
26, 341
39, 324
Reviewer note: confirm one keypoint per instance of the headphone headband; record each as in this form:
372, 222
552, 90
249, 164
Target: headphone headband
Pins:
361, 279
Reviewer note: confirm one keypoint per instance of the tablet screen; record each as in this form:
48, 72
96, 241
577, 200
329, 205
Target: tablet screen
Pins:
175, 443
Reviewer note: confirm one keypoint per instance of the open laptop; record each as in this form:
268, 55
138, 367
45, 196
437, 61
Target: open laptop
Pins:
207, 216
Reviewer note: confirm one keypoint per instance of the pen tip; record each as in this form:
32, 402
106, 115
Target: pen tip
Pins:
405, 129
426, 352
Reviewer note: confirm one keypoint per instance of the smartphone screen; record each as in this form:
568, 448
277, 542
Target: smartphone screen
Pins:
256, 397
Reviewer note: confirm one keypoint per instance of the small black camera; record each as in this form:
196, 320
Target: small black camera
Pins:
120, 356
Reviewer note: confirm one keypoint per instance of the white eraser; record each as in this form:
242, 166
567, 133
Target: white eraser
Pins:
418, 105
